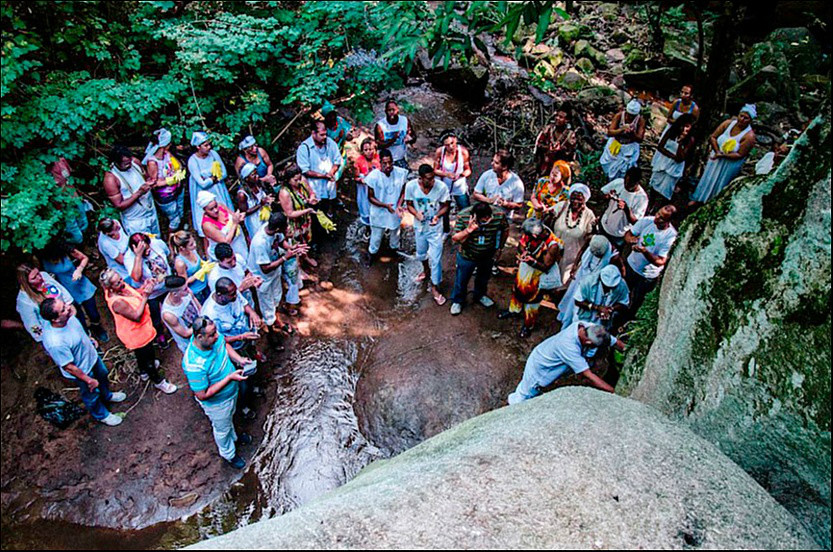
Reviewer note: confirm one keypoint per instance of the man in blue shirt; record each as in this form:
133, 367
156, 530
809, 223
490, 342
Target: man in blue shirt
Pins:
207, 364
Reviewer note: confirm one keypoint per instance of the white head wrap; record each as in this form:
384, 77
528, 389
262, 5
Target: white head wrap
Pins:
610, 276
247, 142
750, 110
599, 245
205, 198
198, 138
582, 189
633, 107
247, 169
163, 138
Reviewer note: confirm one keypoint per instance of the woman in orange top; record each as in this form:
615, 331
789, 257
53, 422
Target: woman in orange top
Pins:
134, 325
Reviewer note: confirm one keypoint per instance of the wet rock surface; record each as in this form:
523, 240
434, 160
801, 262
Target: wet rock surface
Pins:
573, 469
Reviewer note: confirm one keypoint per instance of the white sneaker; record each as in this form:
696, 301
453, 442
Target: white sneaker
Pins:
456, 308
144, 377
112, 419
118, 397
166, 387
156, 363
486, 302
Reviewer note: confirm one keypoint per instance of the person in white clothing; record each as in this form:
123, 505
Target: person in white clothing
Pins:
394, 132
112, 244
386, 193
35, 287
626, 132
268, 255
600, 296
129, 192
452, 164
232, 265
428, 200
499, 185
561, 354
179, 310
627, 203
206, 173
668, 163
651, 239
319, 159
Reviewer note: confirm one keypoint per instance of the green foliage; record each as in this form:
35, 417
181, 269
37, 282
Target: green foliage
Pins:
78, 77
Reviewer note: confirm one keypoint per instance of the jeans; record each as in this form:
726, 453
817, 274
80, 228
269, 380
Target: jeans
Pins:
465, 269
402, 163
639, 286
95, 400
203, 294
146, 359
173, 210
376, 233
222, 425
429, 247
91, 310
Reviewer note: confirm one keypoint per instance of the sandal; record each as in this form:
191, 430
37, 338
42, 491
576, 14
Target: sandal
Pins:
440, 300
287, 329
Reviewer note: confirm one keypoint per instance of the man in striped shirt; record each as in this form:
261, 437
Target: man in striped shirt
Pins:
481, 231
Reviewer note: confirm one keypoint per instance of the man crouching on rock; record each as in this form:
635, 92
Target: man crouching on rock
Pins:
214, 381
566, 351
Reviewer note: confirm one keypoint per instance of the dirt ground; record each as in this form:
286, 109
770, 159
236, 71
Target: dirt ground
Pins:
420, 369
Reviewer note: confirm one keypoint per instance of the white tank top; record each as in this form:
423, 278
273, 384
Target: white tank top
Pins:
130, 181
726, 136
454, 167
398, 149
185, 312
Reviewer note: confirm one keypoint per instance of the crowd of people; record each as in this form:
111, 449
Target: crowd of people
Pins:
219, 281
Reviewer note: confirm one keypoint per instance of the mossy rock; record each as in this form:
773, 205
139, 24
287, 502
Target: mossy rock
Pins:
743, 350
635, 58
585, 65
571, 80
544, 69
570, 32
583, 48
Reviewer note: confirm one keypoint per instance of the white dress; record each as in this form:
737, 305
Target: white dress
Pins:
719, 172
666, 171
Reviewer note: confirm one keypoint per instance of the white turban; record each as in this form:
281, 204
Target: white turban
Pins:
582, 189
163, 138
750, 110
599, 245
198, 138
247, 142
247, 169
633, 107
610, 276
204, 198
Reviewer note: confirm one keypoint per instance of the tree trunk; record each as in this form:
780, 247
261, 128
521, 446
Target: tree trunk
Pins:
711, 86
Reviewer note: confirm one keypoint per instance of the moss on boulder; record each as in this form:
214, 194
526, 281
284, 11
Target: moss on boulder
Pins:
742, 347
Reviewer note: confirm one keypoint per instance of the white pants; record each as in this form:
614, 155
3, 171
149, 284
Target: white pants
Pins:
270, 293
376, 233
222, 425
429, 247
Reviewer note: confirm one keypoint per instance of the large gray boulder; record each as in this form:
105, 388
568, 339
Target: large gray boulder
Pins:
575, 468
739, 344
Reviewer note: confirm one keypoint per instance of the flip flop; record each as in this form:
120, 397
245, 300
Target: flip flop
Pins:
420, 278
440, 300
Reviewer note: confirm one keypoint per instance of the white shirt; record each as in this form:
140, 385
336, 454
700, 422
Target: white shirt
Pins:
155, 265
512, 188
386, 189
614, 220
310, 157
428, 204
29, 310
554, 356
261, 252
231, 319
110, 249
398, 149
236, 274
70, 345
656, 241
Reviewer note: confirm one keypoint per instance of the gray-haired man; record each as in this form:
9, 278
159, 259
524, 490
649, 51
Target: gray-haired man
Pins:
562, 353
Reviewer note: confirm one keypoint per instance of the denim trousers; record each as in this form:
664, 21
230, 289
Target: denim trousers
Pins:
95, 399
482, 271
